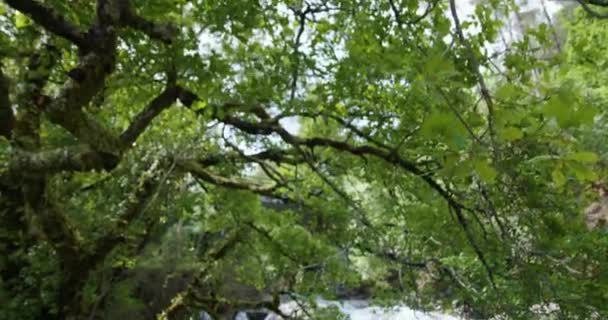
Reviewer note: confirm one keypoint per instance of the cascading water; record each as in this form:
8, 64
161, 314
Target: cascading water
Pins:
356, 310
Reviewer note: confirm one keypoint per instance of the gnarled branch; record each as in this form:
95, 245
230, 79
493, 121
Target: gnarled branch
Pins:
76, 158
136, 205
51, 21
7, 118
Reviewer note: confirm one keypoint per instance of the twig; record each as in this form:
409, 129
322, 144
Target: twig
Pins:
475, 66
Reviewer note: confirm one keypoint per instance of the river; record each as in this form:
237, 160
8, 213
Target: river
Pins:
360, 310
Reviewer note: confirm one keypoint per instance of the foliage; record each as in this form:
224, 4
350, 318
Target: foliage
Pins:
218, 154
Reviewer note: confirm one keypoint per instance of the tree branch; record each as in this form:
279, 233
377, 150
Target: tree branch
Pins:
361, 150
200, 172
37, 201
51, 21
66, 109
86, 80
475, 67
83, 157
267, 128
396, 11
76, 158
272, 127
585, 5
7, 118
184, 298
275, 155
601, 3
163, 32
145, 117
136, 204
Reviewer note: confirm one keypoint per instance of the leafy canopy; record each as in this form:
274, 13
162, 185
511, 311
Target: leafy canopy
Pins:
301, 148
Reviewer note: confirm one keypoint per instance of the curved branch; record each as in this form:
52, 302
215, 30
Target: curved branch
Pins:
397, 13
272, 155
84, 157
88, 79
200, 172
266, 128
145, 117
585, 5
51, 21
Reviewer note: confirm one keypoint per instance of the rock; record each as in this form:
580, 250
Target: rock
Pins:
596, 214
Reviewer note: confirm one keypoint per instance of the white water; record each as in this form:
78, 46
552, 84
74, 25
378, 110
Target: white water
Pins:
361, 310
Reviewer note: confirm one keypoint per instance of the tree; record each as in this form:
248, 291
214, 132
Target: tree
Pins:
295, 147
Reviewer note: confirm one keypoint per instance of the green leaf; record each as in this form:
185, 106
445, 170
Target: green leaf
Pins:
565, 108
21, 20
511, 134
584, 156
200, 105
560, 110
340, 108
586, 115
486, 172
558, 176
438, 66
582, 172
507, 92
441, 124
474, 119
